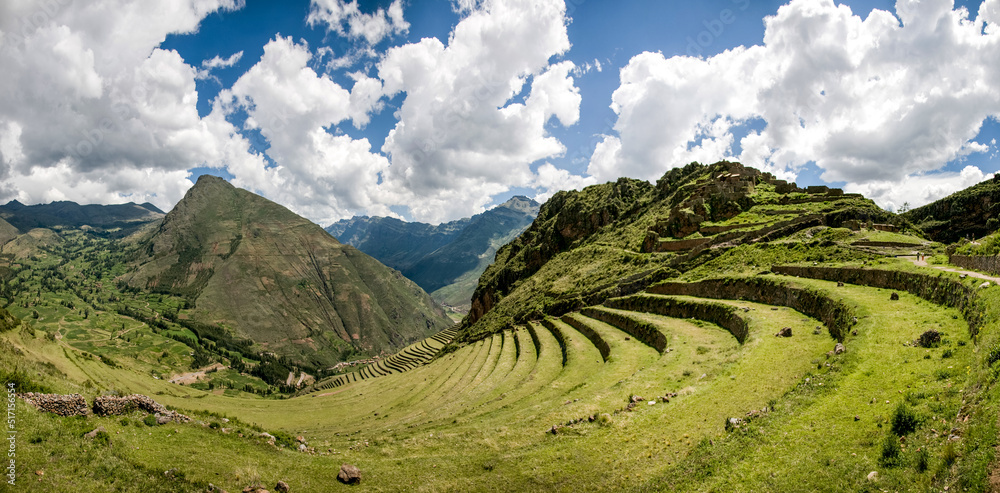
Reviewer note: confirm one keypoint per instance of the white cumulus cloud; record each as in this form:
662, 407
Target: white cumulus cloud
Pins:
875, 100
475, 109
88, 101
347, 19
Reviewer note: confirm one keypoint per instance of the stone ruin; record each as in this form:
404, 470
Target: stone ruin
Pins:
105, 405
62, 405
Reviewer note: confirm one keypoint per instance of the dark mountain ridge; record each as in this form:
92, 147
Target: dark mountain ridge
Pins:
447, 259
125, 218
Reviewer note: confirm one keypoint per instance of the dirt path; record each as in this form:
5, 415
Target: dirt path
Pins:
194, 376
923, 263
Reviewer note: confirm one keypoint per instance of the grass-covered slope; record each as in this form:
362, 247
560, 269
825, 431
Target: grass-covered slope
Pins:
279, 280
565, 404
970, 213
779, 347
615, 238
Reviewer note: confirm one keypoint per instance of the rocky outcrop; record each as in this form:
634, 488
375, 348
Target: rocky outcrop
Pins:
973, 212
63, 405
563, 220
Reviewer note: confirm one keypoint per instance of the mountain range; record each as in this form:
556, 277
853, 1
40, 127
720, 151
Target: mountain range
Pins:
114, 220
447, 259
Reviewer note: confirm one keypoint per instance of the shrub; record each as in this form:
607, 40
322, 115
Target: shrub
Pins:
904, 420
102, 438
214, 425
149, 420
929, 339
892, 453
923, 460
948, 454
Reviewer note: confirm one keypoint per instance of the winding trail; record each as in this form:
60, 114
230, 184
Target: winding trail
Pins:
923, 263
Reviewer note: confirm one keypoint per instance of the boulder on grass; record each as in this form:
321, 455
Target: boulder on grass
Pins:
784, 332
894, 297
349, 474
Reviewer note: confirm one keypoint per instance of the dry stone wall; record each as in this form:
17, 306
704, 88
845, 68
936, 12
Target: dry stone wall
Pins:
724, 316
837, 317
939, 289
63, 405
986, 263
105, 405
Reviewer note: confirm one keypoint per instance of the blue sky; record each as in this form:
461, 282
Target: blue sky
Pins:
434, 110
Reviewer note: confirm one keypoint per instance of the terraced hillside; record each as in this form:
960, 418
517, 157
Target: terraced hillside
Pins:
789, 344
682, 386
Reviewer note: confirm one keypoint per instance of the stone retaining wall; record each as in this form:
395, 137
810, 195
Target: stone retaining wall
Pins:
643, 331
837, 317
560, 338
986, 263
63, 405
724, 316
887, 244
939, 289
590, 333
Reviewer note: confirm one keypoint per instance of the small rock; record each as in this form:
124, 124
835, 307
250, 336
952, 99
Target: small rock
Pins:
300, 439
854, 332
171, 473
840, 284
282, 487
93, 434
963, 276
857, 418
39, 473
349, 474
784, 332
302, 447
162, 420
839, 349
873, 476
818, 330
651, 403
894, 297
985, 284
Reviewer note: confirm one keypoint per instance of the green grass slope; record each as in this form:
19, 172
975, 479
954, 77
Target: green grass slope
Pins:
610, 239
